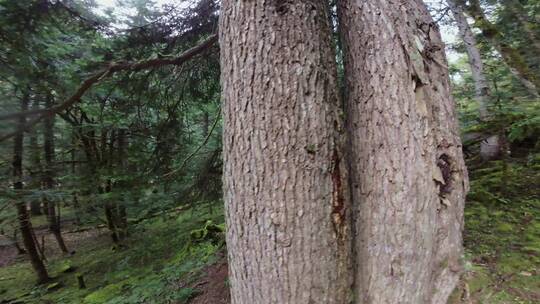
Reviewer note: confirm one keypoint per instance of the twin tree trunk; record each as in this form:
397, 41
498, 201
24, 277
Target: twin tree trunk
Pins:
309, 221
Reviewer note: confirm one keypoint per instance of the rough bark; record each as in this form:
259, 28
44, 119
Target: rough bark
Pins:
510, 55
408, 177
24, 219
285, 187
490, 148
48, 179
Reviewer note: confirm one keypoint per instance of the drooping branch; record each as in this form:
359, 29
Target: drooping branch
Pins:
96, 78
206, 139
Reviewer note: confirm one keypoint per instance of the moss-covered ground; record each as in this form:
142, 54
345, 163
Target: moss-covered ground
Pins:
502, 233
157, 264
160, 260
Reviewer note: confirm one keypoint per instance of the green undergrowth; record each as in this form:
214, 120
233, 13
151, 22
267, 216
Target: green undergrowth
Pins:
502, 232
157, 264
164, 256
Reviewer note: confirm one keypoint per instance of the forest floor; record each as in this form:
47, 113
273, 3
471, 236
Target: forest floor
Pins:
502, 233
162, 262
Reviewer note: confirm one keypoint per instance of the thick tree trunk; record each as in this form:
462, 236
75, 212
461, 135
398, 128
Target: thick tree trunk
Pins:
286, 194
24, 219
53, 219
510, 55
407, 171
490, 148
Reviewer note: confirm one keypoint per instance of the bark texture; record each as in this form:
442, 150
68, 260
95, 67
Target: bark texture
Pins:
408, 177
285, 183
490, 148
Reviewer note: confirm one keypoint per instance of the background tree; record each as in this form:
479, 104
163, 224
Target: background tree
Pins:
490, 147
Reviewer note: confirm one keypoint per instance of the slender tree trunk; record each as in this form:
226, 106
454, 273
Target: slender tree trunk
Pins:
205, 123
490, 148
285, 184
122, 212
77, 208
510, 55
24, 219
53, 219
110, 213
35, 175
408, 177
110, 216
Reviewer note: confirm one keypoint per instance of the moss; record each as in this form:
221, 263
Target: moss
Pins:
502, 233
478, 279
103, 295
53, 286
66, 267
505, 227
146, 271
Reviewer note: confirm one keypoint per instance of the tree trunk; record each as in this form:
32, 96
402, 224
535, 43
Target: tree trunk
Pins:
53, 219
510, 55
110, 211
122, 212
205, 123
407, 171
285, 185
24, 219
490, 148
35, 175
20, 250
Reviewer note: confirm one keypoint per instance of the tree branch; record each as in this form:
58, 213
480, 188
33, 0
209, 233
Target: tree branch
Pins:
96, 78
184, 163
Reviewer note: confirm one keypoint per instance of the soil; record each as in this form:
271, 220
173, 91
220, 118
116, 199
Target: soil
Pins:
212, 288
8, 255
